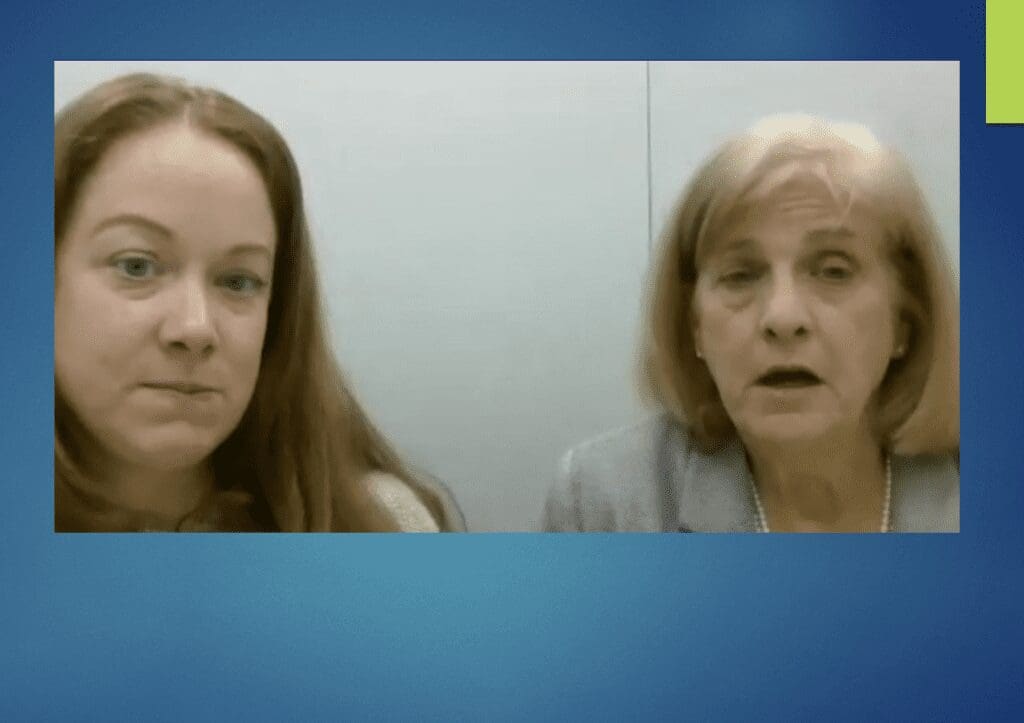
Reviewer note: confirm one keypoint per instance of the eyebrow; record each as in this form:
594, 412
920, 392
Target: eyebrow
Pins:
743, 243
814, 236
239, 249
134, 219
833, 233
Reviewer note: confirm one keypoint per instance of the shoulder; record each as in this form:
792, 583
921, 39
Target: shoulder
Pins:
926, 493
400, 502
633, 448
617, 480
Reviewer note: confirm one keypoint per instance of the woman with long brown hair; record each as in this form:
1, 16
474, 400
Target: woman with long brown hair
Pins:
195, 386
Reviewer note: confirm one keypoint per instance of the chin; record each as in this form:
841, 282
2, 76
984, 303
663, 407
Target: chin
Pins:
167, 452
787, 427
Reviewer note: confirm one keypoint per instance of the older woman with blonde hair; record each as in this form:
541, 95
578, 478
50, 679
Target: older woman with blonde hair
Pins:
802, 344
195, 387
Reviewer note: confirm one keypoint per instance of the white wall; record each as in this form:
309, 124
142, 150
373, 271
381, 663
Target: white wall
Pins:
914, 106
483, 228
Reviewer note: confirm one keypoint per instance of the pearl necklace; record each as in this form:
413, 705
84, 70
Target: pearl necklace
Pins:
762, 520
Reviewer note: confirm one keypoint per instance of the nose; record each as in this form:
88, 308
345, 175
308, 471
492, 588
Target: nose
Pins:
784, 316
189, 326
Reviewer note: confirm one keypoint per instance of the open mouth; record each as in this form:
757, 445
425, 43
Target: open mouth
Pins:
788, 378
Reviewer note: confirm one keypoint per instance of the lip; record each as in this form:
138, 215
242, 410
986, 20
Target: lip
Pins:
788, 377
180, 387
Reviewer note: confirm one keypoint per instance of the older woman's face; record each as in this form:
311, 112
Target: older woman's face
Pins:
161, 296
795, 316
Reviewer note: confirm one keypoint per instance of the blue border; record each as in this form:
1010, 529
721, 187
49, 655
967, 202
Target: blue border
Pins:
512, 626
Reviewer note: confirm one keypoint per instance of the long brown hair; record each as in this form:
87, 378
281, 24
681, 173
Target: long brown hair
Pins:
304, 446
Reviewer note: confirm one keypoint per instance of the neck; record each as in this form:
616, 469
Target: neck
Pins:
162, 496
836, 483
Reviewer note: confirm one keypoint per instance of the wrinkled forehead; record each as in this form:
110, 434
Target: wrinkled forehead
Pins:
806, 188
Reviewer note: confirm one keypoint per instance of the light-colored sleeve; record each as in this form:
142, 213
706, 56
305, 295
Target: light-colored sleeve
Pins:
562, 509
402, 503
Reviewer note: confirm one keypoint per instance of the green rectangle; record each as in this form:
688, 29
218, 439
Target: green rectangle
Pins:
1004, 61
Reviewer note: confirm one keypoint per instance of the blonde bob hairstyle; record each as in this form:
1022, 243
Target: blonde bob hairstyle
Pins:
304, 448
916, 407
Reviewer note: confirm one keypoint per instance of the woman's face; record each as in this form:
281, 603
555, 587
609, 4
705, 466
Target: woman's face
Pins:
795, 314
161, 296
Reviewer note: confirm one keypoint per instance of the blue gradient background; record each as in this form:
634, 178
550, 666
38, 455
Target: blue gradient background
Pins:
511, 626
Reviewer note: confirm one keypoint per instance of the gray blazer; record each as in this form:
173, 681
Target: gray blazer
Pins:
651, 477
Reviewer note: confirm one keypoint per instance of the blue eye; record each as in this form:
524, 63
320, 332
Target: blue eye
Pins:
242, 284
136, 267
